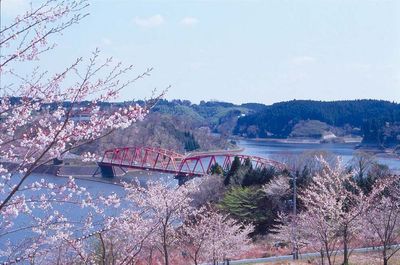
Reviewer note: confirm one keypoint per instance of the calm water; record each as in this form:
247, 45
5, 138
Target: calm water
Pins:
274, 150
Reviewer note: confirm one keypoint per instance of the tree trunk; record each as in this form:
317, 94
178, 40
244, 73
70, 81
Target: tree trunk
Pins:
166, 260
385, 258
322, 256
345, 247
103, 250
165, 248
385, 261
328, 254
150, 262
329, 260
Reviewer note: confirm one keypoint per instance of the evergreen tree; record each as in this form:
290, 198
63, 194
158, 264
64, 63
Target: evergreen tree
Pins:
250, 205
190, 142
235, 167
216, 169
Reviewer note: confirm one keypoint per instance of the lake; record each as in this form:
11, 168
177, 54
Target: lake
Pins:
273, 150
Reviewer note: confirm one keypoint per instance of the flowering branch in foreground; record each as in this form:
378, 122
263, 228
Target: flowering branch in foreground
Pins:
38, 113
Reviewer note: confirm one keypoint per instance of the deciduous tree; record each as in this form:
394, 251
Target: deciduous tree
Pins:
38, 112
212, 237
382, 217
333, 209
166, 208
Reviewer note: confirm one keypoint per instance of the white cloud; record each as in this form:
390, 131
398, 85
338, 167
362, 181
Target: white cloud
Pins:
11, 8
302, 60
189, 21
149, 22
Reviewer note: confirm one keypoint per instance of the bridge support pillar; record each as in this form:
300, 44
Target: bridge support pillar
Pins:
107, 171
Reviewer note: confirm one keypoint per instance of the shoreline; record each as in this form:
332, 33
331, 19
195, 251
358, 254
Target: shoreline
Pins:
299, 140
92, 179
216, 152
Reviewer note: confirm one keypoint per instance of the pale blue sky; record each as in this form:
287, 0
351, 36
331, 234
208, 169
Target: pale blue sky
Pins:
245, 51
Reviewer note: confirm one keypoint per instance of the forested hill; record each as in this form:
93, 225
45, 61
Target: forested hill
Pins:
279, 119
376, 121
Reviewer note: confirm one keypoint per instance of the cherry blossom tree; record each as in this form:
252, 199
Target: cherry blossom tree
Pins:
333, 209
211, 236
37, 113
382, 217
286, 232
124, 237
276, 189
210, 189
165, 208
157, 220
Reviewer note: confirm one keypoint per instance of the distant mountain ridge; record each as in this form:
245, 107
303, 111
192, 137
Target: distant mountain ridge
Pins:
371, 117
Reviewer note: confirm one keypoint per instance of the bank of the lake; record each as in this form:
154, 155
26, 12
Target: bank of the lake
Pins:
305, 140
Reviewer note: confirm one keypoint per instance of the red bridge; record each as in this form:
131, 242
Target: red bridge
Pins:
166, 161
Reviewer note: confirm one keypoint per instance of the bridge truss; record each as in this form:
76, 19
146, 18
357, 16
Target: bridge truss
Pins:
166, 161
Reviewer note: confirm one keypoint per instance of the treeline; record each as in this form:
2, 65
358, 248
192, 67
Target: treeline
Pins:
278, 120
